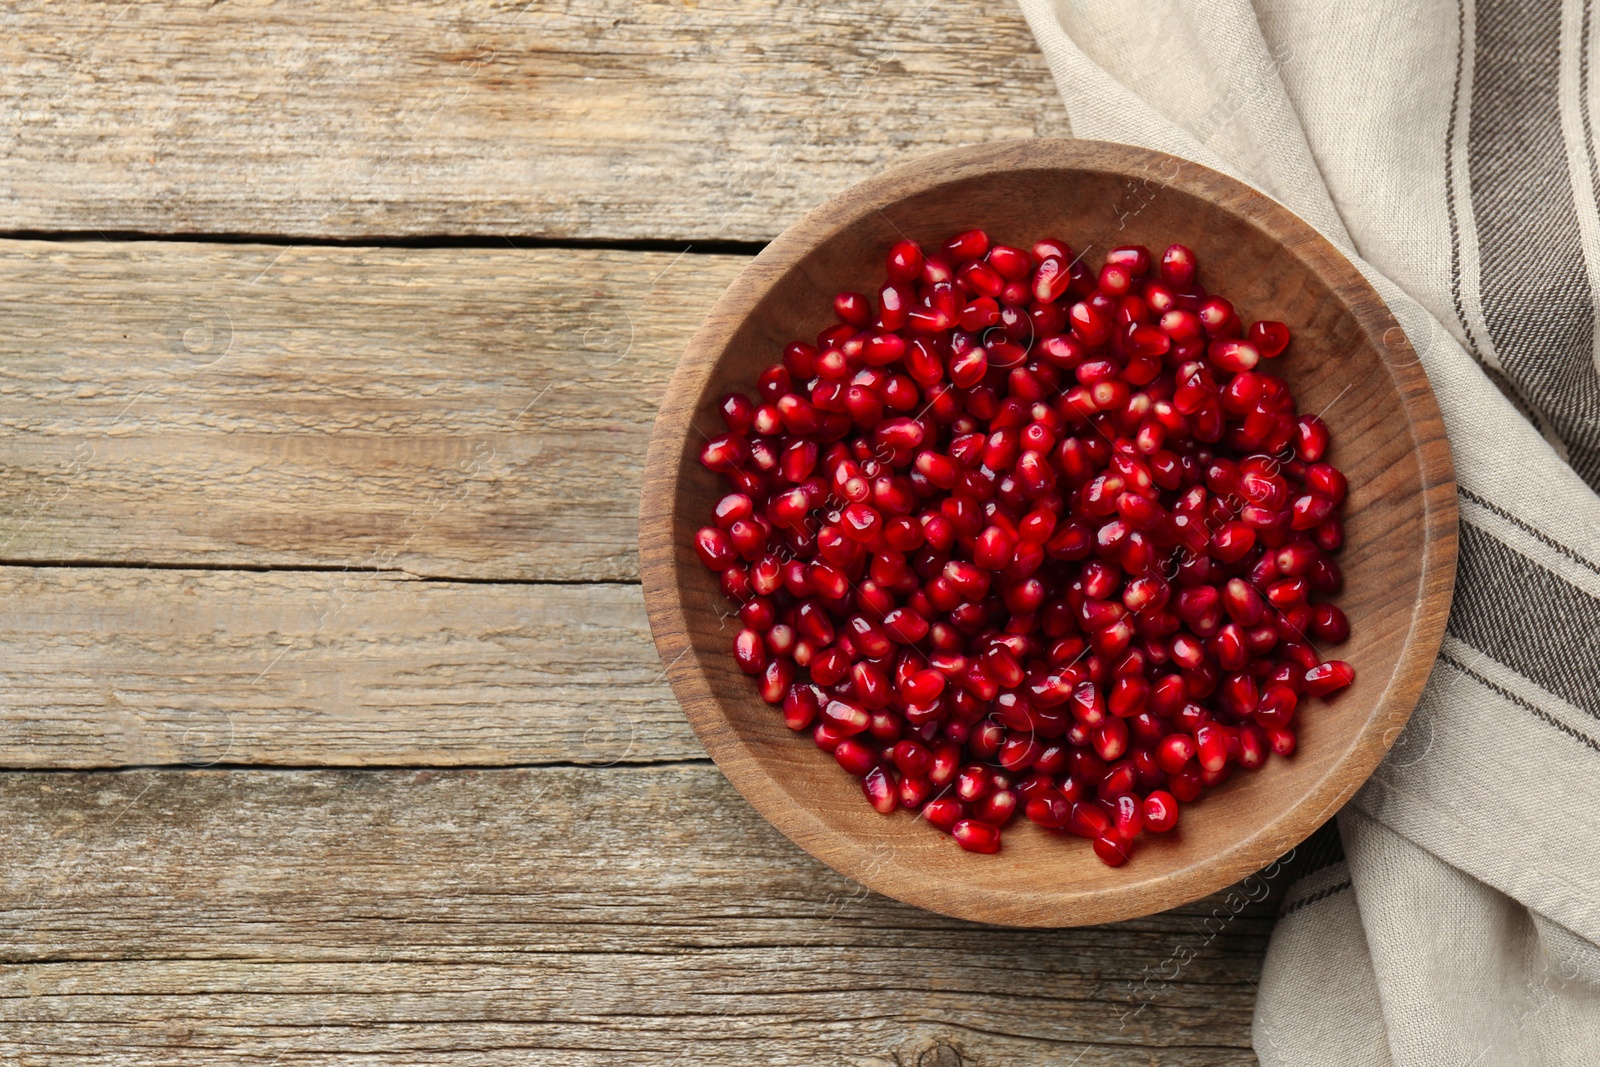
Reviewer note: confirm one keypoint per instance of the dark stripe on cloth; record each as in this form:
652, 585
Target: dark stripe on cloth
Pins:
1532, 531
1318, 896
1531, 708
1528, 618
1322, 849
1450, 180
1316, 853
1534, 283
1583, 102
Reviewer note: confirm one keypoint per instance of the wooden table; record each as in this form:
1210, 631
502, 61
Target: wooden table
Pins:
333, 733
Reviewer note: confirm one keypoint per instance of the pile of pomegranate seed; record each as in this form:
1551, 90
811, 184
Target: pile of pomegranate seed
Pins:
1030, 537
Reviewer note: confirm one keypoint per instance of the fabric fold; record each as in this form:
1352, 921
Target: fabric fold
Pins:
1447, 148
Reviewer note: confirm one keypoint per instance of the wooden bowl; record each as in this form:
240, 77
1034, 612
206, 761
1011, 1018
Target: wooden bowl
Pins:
1348, 360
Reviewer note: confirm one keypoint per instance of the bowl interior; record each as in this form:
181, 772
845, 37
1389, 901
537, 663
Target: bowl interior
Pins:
1348, 361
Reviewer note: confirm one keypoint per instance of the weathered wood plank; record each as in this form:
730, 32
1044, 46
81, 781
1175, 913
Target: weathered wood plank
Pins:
459, 412
127, 667
717, 119
572, 916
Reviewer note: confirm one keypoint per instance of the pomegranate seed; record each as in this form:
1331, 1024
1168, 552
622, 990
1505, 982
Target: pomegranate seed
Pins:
997, 808
1217, 316
1269, 338
1174, 752
881, 791
944, 812
976, 836
1252, 746
1330, 677
904, 261
854, 756
1178, 267
852, 308
1048, 809
1277, 706
1128, 816
1160, 811
1329, 624
914, 792
967, 246
1086, 820
1112, 850
1211, 745
1234, 356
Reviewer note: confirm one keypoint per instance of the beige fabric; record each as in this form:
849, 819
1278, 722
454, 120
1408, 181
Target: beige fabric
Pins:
1449, 149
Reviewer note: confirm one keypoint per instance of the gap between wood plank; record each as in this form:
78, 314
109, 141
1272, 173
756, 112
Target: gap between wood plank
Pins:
442, 768
517, 241
304, 568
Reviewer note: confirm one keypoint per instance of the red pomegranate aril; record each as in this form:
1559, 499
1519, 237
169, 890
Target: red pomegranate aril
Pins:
854, 756
904, 261
826, 737
1327, 481
1269, 337
966, 246
997, 808
1211, 747
1048, 809
732, 508
1174, 752
738, 411
914, 792
1085, 820
976, 836
946, 761
1233, 356
944, 812
852, 308
1178, 267
1127, 817
1051, 279
1277, 706
1253, 746
715, 549
750, 651
1112, 850
1013, 263
973, 782
929, 320
1311, 438
912, 757
1327, 678
1217, 316
1135, 259
724, 452
1329, 624
849, 719
800, 707
1160, 811
1046, 247
1310, 510
881, 791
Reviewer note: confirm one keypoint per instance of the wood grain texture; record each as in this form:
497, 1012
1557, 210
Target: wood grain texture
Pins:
1349, 361
106, 668
560, 916
476, 413
668, 120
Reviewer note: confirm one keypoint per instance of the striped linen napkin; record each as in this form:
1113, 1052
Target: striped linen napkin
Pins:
1448, 147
